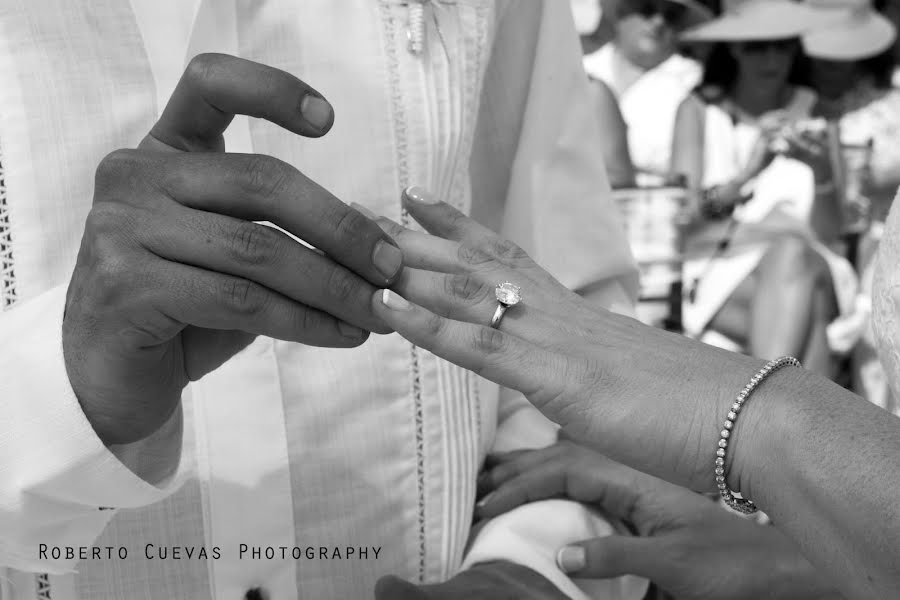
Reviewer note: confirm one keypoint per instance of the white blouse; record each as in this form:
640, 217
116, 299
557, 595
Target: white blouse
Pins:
287, 445
648, 104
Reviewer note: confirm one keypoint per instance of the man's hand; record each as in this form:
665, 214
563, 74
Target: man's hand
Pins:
498, 580
174, 277
685, 543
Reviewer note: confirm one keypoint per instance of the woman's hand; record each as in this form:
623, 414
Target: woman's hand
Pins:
685, 543
810, 146
648, 398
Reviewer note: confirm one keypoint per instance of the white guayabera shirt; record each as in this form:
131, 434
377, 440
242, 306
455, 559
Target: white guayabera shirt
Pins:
286, 445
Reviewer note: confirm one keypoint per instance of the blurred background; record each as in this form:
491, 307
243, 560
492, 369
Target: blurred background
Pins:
752, 146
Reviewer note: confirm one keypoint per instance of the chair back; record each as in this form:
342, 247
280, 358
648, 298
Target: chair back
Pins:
654, 219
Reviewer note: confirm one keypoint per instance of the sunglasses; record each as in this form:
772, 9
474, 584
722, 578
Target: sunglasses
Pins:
761, 46
672, 12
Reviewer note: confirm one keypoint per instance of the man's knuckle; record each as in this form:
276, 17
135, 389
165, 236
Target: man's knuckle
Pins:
104, 220
307, 320
252, 244
201, 69
350, 225
108, 234
264, 177
340, 286
109, 273
115, 167
394, 230
242, 296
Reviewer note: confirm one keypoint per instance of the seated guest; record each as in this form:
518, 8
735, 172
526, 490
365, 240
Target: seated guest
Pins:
851, 65
616, 153
759, 281
649, 78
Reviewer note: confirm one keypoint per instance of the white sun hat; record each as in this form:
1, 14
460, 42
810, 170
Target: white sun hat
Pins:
756, 20
858, 31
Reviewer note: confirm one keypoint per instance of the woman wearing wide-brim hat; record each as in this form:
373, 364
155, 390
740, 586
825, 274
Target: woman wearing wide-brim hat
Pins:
758, 280
851, 65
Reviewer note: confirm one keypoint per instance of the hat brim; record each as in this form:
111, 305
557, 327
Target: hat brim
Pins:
851, 41
696, 12
756, 21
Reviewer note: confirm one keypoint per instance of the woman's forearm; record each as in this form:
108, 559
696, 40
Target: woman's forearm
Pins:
827, 214
825, 465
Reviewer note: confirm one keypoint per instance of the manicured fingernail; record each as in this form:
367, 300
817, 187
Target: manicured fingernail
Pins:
348, 330
394, 301
387, 258
317, 112
363, 210
485, 500
420, 195
571, 559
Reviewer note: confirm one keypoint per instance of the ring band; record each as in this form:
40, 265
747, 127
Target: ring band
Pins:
507, 295
498, 315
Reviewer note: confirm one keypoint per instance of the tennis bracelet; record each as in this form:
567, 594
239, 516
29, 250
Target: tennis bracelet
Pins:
742, 505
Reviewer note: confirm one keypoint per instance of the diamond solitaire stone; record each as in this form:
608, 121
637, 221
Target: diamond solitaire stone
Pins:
508, 294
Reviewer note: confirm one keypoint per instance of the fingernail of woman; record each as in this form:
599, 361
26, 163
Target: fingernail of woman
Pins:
387, 258
393, 300
420, 195
571, 558
362, 209
485, 500
348, 330
317, 112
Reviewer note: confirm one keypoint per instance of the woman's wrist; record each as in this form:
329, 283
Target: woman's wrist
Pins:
761, 437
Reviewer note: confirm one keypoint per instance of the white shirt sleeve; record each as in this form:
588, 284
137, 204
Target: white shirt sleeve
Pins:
59, 484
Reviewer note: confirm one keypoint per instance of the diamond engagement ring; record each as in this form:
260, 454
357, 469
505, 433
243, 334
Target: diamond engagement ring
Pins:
507, 295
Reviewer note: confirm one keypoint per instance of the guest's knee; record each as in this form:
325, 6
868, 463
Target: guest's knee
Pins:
793, 256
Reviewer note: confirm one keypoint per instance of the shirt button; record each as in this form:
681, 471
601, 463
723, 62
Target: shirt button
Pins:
256, 593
